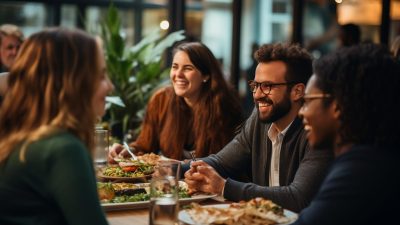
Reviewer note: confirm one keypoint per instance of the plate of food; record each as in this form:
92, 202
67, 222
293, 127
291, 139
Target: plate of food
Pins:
150, 158
127, 170
256, 211
121, 196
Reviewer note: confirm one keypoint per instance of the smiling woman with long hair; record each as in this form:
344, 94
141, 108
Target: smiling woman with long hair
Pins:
56, 91
199, 113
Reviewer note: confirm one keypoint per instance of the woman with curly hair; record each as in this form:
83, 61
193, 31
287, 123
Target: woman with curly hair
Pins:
351, 107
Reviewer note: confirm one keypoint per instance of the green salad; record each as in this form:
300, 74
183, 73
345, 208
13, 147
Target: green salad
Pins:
137, 169
127, 192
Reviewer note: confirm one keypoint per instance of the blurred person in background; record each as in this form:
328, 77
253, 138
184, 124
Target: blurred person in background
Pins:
351, 107
57, 89
349, 35
395, 48
271, 150
198, 115
248, 103
3, 85
320, 26
11, 39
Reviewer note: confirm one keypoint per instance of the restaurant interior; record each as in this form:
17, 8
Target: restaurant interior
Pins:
231, 29
243, 22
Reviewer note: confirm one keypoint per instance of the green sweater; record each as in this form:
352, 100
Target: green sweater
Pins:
55, 185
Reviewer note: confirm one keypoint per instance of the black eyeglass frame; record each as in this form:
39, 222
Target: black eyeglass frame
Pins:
308, 98
254, 86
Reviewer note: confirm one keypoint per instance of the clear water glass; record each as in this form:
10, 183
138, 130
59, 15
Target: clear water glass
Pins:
164, 189
101, 140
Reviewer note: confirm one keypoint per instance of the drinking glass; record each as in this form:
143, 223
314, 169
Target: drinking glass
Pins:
164, 205
101, 147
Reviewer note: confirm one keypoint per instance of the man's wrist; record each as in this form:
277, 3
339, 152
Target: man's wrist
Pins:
223, 189
220, 196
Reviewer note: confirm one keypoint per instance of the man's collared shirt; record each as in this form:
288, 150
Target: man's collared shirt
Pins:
276, 138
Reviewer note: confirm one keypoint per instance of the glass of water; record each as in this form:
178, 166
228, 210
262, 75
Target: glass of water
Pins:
101, 140
164, 205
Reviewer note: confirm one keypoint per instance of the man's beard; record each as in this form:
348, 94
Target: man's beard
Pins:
279, 109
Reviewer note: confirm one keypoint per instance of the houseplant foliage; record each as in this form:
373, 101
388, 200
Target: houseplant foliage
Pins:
136, 71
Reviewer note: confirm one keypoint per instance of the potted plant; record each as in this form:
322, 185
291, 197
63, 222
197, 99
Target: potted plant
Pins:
136, 71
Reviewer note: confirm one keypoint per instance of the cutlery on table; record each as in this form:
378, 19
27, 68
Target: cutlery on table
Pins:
129, 150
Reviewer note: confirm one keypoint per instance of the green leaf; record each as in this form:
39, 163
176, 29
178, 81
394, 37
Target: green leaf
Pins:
154, 36
145, 52
167, 42
117, 45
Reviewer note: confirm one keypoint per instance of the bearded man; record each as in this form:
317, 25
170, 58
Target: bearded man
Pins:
270, 157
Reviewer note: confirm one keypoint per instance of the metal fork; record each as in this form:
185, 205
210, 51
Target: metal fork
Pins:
192, 153
129, 150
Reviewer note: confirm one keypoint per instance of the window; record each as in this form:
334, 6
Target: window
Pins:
95, 16
30, 17
69, 15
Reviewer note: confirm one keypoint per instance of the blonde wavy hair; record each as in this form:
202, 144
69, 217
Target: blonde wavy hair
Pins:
51, 87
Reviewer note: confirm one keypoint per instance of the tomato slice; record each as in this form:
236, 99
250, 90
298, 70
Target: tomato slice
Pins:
129, 168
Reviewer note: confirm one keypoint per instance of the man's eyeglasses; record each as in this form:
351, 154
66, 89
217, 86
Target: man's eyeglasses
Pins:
265, 86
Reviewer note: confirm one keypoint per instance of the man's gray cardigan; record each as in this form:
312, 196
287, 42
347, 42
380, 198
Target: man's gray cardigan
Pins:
301, 171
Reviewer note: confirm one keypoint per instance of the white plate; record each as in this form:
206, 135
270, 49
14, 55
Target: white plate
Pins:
185, 218
141, 179
146, 204
125, 205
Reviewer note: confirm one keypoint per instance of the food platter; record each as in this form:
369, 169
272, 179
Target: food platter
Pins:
125, 205
142, 178
130, 170
146, 204
185, 217
140, 204
139, 179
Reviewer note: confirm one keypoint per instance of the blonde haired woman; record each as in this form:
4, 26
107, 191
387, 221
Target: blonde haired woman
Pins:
56, 90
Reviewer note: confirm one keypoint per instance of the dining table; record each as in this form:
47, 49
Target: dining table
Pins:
141, 216
128, 217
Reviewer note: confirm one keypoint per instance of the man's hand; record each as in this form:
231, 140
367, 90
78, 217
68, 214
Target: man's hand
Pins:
203, 178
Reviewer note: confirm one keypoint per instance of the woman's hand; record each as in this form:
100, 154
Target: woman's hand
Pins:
117, 151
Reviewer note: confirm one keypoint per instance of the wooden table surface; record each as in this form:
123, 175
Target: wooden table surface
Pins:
140, 216
128, 217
